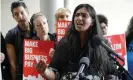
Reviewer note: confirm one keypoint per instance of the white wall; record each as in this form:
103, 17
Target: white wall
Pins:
7, 21
49, 7
118, 12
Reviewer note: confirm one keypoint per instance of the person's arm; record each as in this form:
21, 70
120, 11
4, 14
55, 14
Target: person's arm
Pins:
49, 74
45, 71
10, 41
12, 59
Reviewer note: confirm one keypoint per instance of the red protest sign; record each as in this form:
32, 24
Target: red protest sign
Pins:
34, 51
61, 28
118, 44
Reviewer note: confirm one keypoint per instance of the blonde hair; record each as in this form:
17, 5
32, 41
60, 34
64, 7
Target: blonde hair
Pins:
61, 11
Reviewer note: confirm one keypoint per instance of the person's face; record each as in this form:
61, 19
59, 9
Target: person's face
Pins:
64, 16
20, 14
41, 25
104, 28
82, 20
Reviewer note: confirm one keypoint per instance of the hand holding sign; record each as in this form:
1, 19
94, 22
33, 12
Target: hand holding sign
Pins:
36, 58
41, 66
51, 52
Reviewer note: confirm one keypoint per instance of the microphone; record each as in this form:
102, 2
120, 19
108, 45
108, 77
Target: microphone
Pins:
100, 41
84, 63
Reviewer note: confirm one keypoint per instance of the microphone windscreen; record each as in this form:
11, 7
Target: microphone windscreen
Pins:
97, 39
85, 61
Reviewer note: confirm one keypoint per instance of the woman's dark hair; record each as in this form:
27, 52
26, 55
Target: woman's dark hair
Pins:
93, 15
99, 59
129, 32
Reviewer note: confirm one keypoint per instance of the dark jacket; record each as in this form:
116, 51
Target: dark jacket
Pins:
5, 66
65, 61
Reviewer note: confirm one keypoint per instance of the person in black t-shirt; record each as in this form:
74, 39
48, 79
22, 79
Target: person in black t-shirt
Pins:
15, 36
61, 14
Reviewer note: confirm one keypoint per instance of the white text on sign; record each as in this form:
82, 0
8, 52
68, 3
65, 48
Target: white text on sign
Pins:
31, 44
63, 24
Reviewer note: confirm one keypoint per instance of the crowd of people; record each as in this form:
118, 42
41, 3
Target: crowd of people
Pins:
77, 43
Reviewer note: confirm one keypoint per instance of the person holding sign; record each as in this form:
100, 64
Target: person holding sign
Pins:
78, 43
62, 14
40, 24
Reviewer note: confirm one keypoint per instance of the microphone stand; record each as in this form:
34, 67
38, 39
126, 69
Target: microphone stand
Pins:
121, 68
81, 76
99, 41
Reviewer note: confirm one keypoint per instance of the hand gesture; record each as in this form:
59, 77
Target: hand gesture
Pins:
51, 52
41, 66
